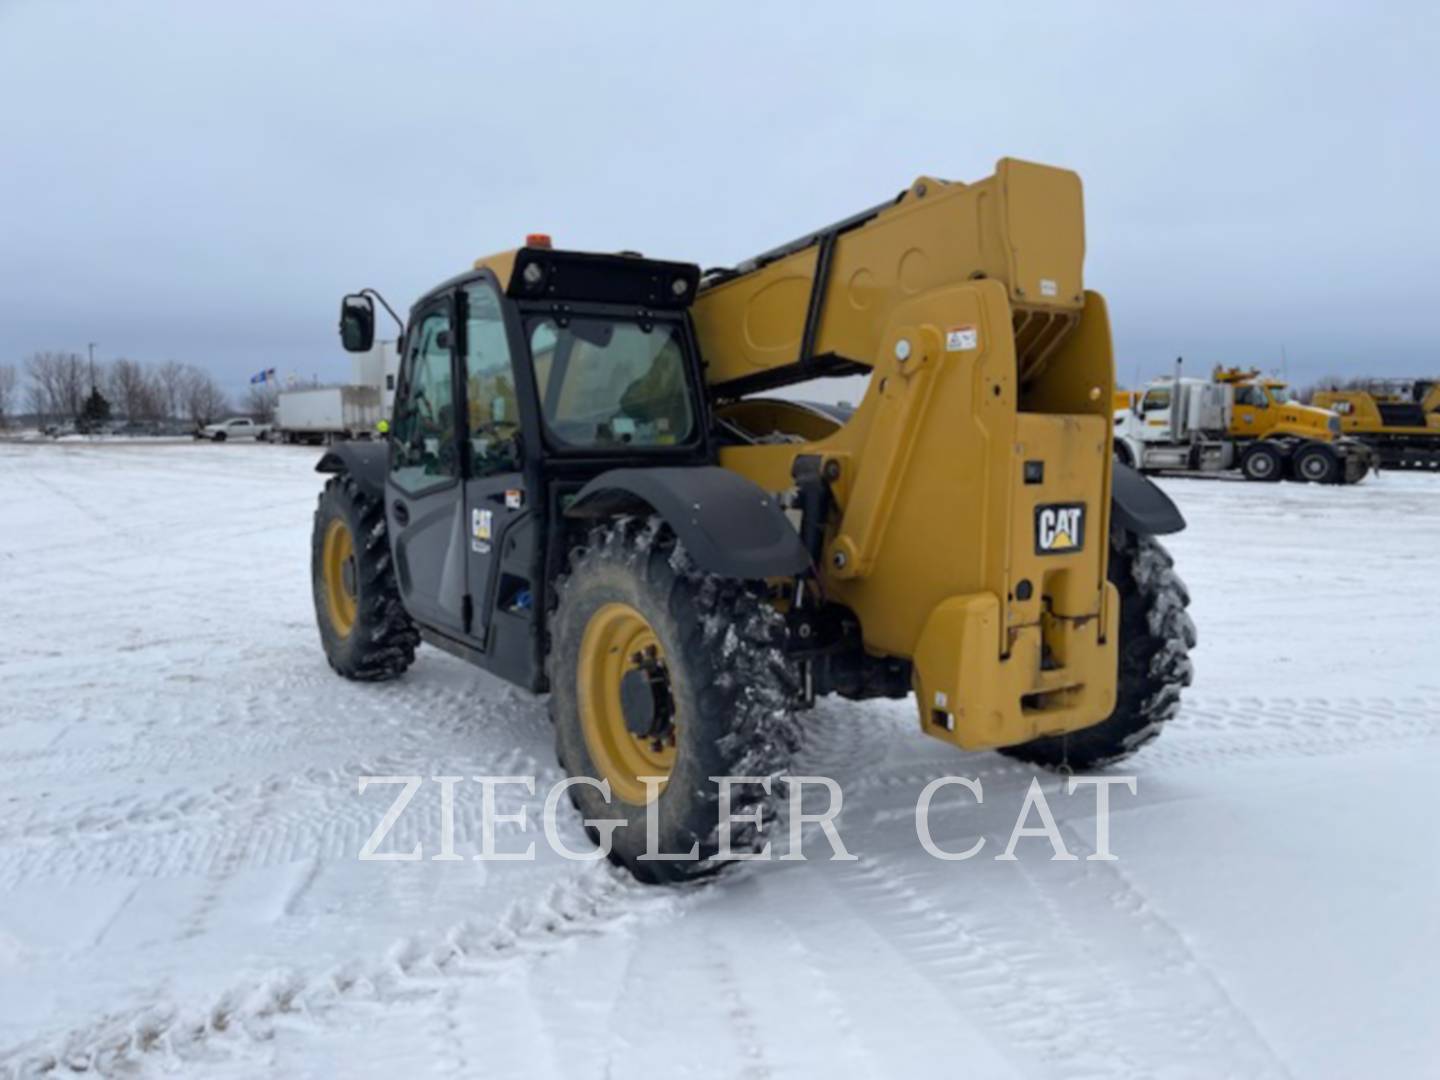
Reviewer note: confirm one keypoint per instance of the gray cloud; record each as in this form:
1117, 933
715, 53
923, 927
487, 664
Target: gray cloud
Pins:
202, 181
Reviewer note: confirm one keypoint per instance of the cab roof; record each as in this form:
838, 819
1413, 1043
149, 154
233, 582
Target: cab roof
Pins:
543, 273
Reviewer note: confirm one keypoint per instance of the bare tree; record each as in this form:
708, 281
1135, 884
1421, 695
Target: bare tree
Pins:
129, 388
58, 383
260, 401
9, 381
201, 397
170, 382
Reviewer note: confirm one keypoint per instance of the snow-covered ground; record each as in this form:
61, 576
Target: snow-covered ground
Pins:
180, 891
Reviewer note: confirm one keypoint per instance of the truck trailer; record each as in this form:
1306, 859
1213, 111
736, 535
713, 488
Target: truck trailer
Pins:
1399, 418
323, 414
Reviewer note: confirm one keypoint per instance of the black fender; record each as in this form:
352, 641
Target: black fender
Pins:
365, 461
1137, 504
728, 524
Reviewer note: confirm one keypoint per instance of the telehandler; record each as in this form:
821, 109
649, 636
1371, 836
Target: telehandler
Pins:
585, 489
1399, 418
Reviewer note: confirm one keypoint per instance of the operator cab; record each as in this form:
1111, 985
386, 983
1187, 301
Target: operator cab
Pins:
519, 381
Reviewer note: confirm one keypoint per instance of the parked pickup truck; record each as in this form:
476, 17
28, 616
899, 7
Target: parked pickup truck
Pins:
237, 427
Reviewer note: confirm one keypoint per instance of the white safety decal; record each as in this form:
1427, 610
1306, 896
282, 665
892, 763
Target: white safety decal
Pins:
962, 339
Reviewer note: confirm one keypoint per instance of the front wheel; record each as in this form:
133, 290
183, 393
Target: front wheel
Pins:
363, 625
660, 670
1156, 636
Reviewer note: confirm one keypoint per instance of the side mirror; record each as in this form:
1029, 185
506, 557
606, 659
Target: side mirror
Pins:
357, 323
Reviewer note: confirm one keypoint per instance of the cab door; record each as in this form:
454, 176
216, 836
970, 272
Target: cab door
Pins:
498, 506
1155, 413
1248, 417
424, 497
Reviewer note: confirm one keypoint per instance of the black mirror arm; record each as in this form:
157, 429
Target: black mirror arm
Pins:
385, 304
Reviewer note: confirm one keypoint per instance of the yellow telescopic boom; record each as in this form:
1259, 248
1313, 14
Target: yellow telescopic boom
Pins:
971, 488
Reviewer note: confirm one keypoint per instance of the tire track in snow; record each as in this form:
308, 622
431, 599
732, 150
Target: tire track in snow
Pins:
1215, 733
246, 1018
998, 977
1141, 956
230, 831
1164, 983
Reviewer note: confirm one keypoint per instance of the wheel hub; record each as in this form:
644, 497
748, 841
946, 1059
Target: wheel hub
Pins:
627, 705
645, 698
338, 569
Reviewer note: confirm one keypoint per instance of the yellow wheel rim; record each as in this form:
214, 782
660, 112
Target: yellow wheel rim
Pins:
338, 564
618, 640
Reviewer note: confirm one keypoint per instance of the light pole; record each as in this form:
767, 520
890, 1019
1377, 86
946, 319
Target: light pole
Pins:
92, 367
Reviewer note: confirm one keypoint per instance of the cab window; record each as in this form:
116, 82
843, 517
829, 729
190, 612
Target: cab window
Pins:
1156, 401
607, 383
1250, 395
492, 411
424, 434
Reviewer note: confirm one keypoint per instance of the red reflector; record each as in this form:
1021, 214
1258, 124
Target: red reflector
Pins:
538, 240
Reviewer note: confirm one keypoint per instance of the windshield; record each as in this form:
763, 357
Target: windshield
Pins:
1280, 395
1156, 400
609, 383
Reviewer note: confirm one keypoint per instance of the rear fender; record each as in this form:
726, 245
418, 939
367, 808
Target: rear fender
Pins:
1138, 505
729, 525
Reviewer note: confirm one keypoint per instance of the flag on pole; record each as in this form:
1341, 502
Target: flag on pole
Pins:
268, 375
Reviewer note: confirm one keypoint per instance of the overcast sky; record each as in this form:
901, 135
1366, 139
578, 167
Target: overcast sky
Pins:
202, 181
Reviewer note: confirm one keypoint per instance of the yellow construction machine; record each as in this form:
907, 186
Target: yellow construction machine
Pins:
1399, 418
590, 488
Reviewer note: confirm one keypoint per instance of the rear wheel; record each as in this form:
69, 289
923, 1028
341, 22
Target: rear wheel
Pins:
1317, 464
1262, 462
1156, 636
363, 625
660, 670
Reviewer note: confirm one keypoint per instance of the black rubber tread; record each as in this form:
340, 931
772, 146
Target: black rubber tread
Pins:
1156, 636
1272, 451
735, 693
1334, 472
383, 641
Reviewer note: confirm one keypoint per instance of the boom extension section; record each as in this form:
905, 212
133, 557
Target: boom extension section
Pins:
820, 305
